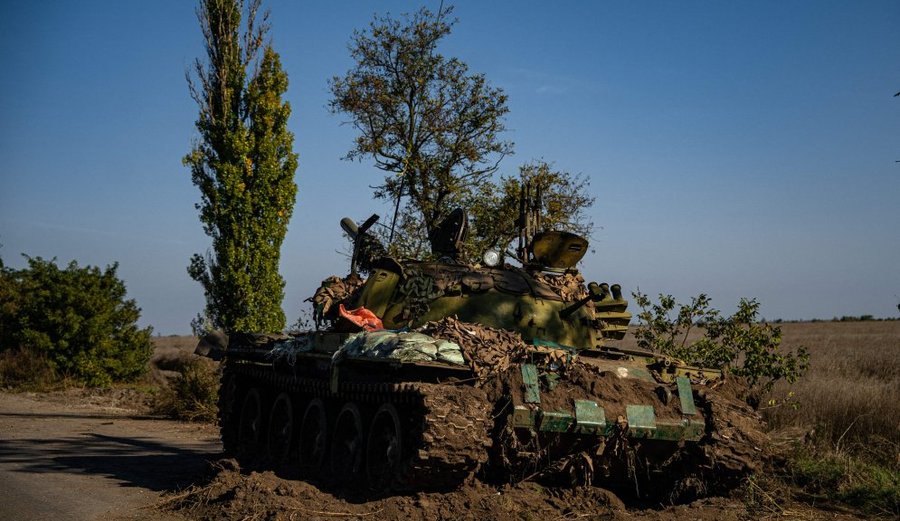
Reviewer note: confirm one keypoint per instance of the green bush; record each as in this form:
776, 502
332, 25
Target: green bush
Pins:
739, 344
76, 318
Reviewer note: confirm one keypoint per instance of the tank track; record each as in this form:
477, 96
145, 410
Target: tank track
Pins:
455, 439
446, 427
450, 433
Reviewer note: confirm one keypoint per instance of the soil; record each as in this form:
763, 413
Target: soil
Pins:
236, 494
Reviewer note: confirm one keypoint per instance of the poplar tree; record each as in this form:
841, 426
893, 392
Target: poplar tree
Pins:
243, 163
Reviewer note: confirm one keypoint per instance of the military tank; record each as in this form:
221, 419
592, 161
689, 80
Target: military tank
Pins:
427, 373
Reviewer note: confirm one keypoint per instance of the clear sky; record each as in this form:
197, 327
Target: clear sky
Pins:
735, 148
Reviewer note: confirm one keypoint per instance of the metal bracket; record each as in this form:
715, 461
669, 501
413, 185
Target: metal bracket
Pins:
686, 396
532, 387
590, 418
641, 420
334, 379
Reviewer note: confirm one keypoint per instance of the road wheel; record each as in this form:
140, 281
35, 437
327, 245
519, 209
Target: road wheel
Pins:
384, 448
313, 437
348, 444
281, 428
250, 427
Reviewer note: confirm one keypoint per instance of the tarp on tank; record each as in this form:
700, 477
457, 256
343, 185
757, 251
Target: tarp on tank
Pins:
405, 346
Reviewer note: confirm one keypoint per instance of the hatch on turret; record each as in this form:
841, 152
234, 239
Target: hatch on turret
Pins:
556, 250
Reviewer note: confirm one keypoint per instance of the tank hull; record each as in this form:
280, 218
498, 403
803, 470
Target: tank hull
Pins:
342, 416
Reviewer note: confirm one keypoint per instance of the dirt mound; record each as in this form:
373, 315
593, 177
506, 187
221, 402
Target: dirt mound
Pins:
233, 494
735, 444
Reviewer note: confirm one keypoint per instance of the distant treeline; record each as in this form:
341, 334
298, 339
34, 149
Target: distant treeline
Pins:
845, 318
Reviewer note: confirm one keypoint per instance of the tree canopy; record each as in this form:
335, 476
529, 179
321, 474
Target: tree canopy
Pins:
76, 318
495, 209
243, 165
433, 126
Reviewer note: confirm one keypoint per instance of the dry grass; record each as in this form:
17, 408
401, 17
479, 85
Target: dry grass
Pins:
25, 370
851, 393
848, 404
188, 383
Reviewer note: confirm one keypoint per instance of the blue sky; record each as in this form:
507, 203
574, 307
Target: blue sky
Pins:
735, 148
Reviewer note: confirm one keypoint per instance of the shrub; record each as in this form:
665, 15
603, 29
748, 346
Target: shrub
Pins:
738, 344
192, 395
76, 318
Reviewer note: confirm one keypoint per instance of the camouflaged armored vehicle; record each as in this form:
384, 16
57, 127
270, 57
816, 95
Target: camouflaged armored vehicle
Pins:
425, 373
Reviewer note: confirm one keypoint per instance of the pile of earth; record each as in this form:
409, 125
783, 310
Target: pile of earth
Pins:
232, 494
733, 446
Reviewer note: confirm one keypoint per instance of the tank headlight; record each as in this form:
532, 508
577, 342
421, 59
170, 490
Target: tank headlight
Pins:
491, 258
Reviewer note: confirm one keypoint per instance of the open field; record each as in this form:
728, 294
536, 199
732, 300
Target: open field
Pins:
852, 390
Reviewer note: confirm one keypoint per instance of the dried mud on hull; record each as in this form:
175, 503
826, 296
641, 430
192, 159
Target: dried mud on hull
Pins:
733, 444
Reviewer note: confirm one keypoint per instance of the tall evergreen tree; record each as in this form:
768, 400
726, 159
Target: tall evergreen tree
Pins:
243, 165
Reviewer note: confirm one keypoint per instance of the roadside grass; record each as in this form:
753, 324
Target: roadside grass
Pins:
187, 384
178, 384
190, 395
827, 475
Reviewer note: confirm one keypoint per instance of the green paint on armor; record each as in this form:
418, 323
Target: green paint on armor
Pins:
641, 420
530, 379
556, 421
589, 417
686, 396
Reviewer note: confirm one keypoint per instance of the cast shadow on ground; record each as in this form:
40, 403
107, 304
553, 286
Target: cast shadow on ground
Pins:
136, 462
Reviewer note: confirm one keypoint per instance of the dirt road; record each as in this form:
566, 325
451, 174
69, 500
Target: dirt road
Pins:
64, 459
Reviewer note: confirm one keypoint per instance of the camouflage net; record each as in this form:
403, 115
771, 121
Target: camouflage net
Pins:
333, 291
569, 286
486, 349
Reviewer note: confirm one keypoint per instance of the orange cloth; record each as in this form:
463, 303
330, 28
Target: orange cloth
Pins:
362, 317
